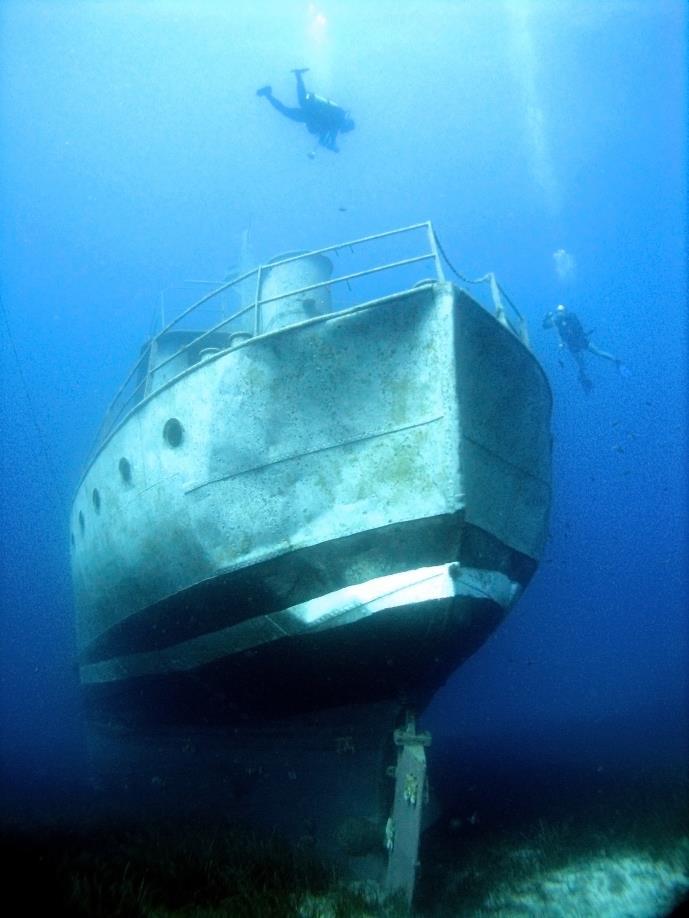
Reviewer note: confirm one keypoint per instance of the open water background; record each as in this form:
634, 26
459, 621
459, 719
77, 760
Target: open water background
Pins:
133, 154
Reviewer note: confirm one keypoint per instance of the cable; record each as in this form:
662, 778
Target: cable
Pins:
467, 280
479, 280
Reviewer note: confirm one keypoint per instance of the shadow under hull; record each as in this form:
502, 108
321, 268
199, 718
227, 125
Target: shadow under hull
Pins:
400, 655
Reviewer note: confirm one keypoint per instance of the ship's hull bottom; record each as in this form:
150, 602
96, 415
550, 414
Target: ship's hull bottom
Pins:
400, 655
293, 734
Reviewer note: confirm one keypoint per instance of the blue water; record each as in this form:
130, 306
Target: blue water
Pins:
546, 142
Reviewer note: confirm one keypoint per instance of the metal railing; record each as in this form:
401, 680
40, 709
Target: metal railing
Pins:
140, 382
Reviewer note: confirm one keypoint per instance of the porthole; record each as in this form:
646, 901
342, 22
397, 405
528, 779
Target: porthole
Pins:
95, 497
125, 470
81, 522
173, 432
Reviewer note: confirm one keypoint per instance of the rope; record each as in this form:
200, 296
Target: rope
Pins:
466, 280
479, 280
32, 411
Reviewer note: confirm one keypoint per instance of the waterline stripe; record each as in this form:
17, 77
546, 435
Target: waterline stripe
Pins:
333, 610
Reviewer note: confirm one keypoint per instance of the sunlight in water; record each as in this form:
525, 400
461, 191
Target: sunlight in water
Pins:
565, 265
317, 24
318, 51
526, 65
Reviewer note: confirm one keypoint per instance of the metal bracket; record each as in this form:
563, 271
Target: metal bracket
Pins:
403, 829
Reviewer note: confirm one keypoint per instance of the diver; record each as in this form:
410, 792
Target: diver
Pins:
577, 341
321, 116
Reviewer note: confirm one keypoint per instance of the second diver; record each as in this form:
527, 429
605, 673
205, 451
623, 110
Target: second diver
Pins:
577, 341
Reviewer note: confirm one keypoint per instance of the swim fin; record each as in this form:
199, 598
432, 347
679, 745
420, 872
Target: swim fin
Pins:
265, 91
298, 70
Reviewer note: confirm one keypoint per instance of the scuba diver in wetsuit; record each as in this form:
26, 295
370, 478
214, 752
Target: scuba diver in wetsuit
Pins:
321, 116
577, 341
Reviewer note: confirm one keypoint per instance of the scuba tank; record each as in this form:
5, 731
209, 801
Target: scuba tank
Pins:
327, 111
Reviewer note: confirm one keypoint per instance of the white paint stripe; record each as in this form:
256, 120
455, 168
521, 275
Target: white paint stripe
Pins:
341, 607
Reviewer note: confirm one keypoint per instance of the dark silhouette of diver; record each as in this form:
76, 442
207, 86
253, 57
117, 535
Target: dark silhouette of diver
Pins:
577, 341
321, 116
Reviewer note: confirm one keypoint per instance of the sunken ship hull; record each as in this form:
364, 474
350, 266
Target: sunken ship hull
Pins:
335, 511
294, 526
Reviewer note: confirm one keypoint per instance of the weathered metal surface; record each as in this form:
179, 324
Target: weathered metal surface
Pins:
293, 275
407, 433
403, 828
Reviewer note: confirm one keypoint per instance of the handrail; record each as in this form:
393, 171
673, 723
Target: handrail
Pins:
349, 245
119, 406
204, 299
281, 296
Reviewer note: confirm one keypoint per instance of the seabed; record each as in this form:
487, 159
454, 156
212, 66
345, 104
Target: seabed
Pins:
611, 844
